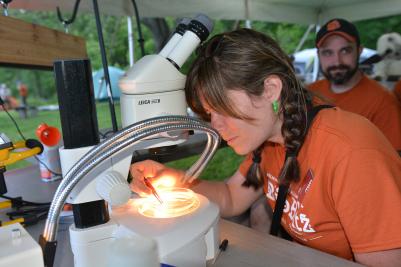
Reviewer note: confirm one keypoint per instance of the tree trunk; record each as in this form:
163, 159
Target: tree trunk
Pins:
159, 29
38, 84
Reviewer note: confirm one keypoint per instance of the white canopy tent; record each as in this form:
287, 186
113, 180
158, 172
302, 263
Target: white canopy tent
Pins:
292, 11
306, 12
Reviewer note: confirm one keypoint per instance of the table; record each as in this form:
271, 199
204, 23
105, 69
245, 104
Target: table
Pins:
250, 248
247, 247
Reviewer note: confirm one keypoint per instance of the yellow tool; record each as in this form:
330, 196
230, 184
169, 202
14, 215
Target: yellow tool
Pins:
18, 220
6, 204
9, 156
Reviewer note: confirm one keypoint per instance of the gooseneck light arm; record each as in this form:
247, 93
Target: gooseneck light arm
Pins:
122, 140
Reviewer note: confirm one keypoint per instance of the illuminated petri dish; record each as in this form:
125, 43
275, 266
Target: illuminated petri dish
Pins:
176, 202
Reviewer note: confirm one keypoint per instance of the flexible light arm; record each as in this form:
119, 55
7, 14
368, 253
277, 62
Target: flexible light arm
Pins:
122, 140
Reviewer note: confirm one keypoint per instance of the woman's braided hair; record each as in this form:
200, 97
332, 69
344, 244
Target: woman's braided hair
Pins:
242, 60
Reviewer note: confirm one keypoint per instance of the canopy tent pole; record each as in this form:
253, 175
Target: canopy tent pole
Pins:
248, 23
105, 66
131, 48
303, 39
315, 73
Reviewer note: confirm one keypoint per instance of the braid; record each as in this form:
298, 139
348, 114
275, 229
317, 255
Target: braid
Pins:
294, 110
254, 174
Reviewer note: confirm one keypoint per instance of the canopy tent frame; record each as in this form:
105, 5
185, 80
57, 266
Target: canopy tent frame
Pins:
291, 11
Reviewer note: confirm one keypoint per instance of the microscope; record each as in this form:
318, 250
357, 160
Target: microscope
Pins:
183, 231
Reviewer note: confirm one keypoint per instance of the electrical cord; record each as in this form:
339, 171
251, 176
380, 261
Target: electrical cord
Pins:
138, 23
108, 133
29, 219
101, 135
47, 167
12, 119
25, 212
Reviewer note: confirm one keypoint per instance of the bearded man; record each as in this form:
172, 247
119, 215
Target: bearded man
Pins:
346, 87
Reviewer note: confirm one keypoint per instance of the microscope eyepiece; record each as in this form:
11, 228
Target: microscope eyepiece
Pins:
182, 26
176, 37
201, 25
197, 31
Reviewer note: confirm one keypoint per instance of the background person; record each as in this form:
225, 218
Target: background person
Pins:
23, 93
5, 94
344, 176
347, 87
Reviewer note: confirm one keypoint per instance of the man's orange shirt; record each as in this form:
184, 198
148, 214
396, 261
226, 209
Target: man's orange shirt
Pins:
348, 199
397, 90
369, 99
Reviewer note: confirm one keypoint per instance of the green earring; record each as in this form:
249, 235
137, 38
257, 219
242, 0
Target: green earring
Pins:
275, 106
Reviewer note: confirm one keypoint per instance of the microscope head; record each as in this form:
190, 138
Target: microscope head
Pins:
154, 85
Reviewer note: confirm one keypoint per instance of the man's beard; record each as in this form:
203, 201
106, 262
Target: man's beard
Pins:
340, 78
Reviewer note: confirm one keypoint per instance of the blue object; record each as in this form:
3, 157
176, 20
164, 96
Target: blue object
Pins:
99, 83
166, 265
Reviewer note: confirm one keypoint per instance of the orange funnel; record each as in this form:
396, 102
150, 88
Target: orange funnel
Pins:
48, 135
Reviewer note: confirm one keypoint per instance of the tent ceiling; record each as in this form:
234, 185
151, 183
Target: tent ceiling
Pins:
293, 11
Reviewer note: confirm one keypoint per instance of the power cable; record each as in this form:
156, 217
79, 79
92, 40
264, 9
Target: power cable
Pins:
138, 23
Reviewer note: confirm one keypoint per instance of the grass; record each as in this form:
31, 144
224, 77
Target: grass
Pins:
28, 126
52, 118
223, 164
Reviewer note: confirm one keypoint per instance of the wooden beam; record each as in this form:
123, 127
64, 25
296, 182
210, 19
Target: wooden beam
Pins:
24, 44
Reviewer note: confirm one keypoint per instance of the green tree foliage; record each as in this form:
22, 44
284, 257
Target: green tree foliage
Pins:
287, 35
41, 83
371, 30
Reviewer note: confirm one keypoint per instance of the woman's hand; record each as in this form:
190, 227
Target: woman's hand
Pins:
158, 174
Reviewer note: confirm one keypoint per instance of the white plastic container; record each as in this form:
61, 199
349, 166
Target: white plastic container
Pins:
49, 159
49, 164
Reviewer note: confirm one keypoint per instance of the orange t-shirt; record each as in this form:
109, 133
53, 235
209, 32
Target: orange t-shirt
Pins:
23, 90
349, 197
397, 90
369, 99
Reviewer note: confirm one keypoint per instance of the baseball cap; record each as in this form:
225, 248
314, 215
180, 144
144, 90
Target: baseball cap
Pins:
340, 27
